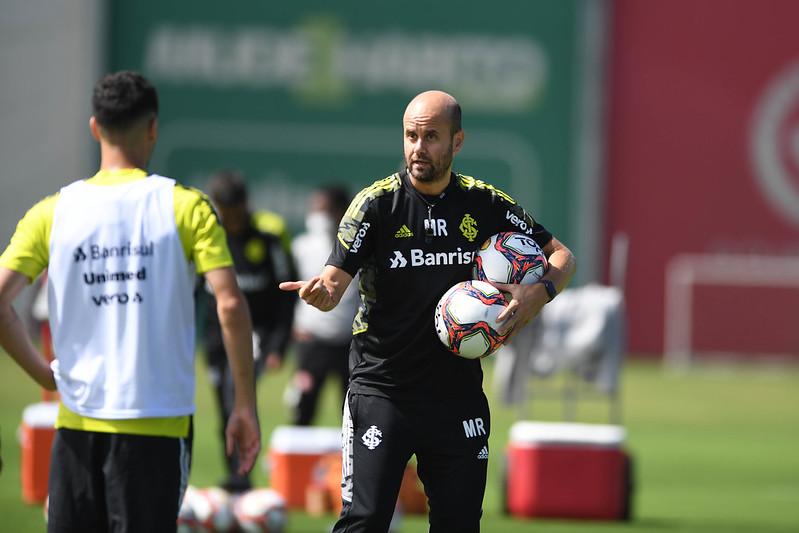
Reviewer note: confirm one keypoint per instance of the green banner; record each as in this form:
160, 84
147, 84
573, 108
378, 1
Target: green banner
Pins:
303, 93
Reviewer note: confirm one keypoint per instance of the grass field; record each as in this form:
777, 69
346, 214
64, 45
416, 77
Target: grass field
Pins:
716, 450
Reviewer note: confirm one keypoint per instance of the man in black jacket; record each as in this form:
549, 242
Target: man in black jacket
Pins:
411, 236
261, 263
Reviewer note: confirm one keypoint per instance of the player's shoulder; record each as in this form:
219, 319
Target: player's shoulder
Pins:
47, 203
383, 185
185, 194
473, 185
266, 237
187, 198
269, 222
43, 210
372, 192
192, 206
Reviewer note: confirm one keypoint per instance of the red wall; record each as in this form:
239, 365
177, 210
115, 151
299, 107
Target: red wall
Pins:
686, 78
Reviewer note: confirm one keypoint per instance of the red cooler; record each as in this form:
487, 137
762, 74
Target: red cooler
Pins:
568, 470
294, 451
36, 439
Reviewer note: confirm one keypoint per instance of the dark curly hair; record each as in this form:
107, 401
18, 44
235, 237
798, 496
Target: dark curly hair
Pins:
120, 99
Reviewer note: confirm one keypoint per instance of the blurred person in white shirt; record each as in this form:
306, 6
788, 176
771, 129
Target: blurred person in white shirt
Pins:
322, 339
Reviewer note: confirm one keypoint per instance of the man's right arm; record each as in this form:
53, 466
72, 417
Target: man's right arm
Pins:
323, 291
25, 258
14, 337
354, 241
243, 430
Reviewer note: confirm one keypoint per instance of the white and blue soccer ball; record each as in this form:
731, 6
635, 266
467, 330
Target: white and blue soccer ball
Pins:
510, 257
466, 319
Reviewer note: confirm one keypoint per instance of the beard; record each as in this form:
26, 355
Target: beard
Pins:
433, 170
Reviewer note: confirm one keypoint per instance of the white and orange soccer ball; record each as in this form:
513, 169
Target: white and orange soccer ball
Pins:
260, 511
213, 510
466, 319
510, 257
187, 521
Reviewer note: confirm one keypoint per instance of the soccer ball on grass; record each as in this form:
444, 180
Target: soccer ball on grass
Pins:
260, 511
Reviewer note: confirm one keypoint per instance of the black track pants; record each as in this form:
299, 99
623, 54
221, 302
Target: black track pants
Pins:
450, 439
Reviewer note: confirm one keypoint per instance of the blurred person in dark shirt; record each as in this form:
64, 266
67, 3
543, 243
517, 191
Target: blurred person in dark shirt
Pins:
261, 263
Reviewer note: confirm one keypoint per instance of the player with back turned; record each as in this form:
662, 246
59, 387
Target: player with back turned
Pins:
119, 249
411, 236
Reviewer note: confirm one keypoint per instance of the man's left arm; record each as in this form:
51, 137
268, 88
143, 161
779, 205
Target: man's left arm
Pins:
206, 242
243, 430
528, 300
14, 336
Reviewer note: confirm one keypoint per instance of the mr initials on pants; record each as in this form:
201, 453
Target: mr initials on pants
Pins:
474, 427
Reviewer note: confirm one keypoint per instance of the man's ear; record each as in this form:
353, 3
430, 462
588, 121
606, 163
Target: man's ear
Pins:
152, 129
94, 128
457, 142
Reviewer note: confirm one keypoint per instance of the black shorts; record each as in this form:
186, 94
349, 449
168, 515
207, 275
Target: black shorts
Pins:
116, 482
449, 436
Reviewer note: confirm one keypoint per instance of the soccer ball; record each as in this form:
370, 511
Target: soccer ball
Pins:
260, 511
510, 258
466, 319
213, 510
187, 521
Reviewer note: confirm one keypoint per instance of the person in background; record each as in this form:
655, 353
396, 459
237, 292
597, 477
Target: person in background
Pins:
270, 222
119, 249
321, 340
261, 264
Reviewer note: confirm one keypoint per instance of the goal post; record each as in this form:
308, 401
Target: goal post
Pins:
687, 271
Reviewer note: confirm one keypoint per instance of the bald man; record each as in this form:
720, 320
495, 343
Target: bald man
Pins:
412, 235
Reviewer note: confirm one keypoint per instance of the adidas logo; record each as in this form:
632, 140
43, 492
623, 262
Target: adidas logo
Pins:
483, 454
403, 233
